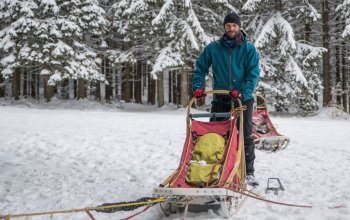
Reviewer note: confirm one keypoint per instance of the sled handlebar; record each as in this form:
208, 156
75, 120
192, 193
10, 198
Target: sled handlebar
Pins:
223, 92
212, 114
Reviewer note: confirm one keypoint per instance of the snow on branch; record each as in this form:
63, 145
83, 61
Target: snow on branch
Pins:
187, 3
118, 56
309, 53
344, 8
293, 68
60, 48
163, 12
192, 18
277, 26
266, 34
49, 6
346, 31
7, 60
266, 67
189, 35
221, 2
6, 41
169, 56
135, 6
270, 89
251, 5
312, 12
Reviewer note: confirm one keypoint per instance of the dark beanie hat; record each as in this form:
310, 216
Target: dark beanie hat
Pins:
232, 17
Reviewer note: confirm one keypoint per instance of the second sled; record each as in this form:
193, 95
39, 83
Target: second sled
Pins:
266, 136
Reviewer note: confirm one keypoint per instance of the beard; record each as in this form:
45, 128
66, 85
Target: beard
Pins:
231, 34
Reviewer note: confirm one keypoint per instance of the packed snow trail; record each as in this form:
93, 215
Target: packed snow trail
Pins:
54, 159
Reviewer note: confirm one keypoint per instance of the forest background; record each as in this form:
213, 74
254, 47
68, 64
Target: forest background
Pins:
143, 51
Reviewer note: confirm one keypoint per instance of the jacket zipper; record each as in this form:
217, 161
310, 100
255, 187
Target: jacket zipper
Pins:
230, 69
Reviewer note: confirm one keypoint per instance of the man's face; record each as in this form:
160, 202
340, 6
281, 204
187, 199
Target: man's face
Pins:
231, 29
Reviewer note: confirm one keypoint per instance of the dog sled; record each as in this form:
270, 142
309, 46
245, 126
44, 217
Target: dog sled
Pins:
208, 178
266, 136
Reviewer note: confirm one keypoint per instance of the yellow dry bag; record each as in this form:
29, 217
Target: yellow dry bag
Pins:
205, 164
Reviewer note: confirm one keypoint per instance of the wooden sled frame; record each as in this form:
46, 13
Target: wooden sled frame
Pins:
223, 196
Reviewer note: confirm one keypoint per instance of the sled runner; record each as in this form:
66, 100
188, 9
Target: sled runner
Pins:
266, 136
211, 172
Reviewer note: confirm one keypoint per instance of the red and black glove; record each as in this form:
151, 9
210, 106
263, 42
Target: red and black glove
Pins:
199, 93
235, 94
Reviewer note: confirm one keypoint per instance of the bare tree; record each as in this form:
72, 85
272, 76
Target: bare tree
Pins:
49, 91
127, 83
326, 56
184, 86
81, 89
160, 89
16, 84
138, 83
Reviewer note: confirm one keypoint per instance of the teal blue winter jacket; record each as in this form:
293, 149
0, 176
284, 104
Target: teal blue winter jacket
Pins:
234, 68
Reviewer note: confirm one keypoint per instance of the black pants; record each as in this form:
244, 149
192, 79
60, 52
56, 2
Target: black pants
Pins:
222, 103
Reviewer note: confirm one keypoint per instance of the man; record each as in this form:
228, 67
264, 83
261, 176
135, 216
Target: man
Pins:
235, 67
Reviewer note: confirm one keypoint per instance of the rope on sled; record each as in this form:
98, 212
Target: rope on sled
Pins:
98, 208
244, 191
130, 217
261, 198
90, 215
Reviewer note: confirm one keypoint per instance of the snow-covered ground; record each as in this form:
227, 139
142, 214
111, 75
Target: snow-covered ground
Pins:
66, 157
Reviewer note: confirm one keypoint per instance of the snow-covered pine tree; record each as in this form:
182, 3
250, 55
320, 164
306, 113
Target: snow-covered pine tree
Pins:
168, 33
189, 25
308, 56
131, 21
134, 41
12, 15
51, 36
344, 9
288, 61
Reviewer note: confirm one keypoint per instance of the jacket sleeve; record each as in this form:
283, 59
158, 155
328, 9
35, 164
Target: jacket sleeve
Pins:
252, 73
201, 69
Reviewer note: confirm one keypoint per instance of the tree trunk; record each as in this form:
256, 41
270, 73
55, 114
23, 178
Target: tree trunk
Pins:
326, 56
48, 90
184, 86
278, 5
98, 91
189, 81
119, 80
174, 87
345, 72
126, 84
16, 79
33, 85
109, 78
307, 32
170, 87
25, 83
65, 89
75, 88
138, 83
81, 89
338, 68
151, 90
160, 89
2, 87
178, 90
